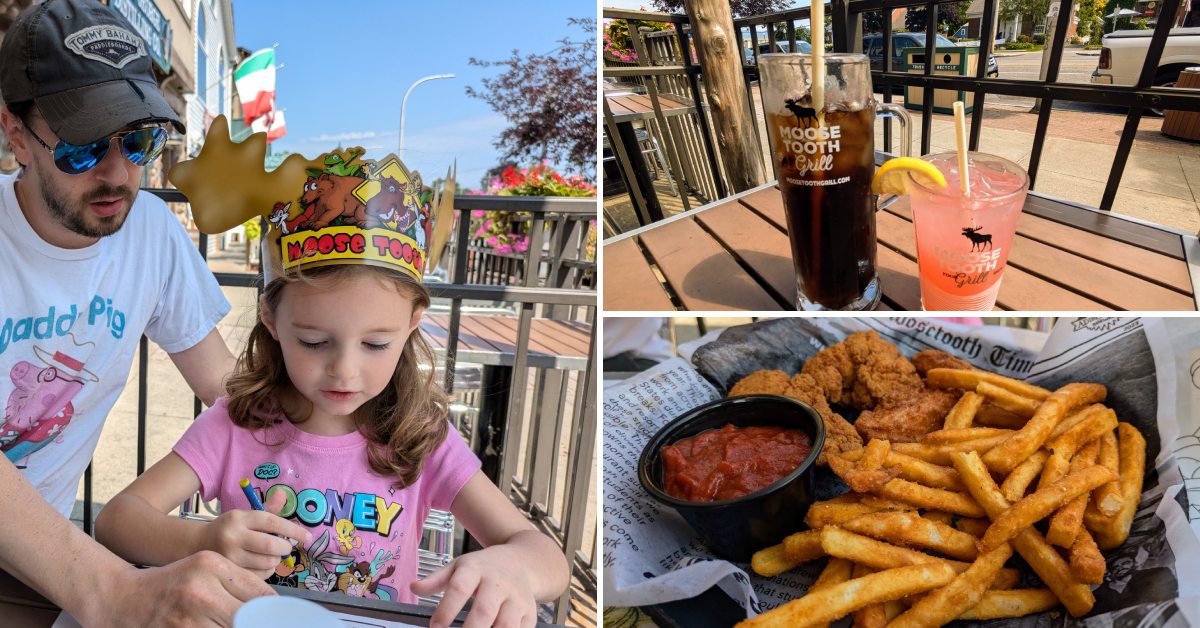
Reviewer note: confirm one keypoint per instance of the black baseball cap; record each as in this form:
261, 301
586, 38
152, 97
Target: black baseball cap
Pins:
85, 67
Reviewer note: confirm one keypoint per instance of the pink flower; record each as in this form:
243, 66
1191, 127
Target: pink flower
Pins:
492, 241
504, 249
477, 213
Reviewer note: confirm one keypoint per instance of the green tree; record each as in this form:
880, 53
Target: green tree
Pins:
950, 17
802, 32
1091, 20
1028, 10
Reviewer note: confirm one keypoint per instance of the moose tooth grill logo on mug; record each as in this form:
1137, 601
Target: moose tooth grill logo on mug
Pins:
824, 158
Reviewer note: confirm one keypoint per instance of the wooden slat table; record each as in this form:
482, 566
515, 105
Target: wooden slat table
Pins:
491, 340
734, 255
630, 107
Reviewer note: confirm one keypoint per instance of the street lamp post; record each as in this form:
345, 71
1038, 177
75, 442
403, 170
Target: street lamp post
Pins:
404, 106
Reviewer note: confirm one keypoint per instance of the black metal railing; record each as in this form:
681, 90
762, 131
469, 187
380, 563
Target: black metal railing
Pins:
847, 36
553, 490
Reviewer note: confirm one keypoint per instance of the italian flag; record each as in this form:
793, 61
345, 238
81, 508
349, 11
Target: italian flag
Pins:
270, 123
255, 81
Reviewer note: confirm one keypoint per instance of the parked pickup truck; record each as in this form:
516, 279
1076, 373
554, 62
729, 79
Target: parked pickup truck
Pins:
1124, 52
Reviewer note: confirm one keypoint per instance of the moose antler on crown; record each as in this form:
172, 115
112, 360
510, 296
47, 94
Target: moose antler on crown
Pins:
227, 183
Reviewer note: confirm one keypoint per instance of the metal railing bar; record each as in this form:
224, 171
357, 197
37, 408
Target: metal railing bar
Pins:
987, 37
1119, 96
1158, 43
142, 396
648, 16
693, 76
1047, 104
927, 93
887, 83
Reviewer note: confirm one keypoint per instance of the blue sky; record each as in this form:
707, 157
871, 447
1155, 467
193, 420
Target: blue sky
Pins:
345, 72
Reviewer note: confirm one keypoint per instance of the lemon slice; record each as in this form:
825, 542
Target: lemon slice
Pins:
891, 178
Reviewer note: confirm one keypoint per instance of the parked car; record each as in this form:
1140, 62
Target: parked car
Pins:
802, 47
873, 47
1124, 53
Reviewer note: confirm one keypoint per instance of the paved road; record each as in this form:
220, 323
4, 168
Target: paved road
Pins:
1077, 66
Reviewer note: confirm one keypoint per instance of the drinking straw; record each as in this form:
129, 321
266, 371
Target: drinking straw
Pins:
960, 137
816, 30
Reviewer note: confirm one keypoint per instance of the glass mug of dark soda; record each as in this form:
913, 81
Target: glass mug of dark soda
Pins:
824, 156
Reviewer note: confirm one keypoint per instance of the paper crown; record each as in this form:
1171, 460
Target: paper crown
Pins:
335, 209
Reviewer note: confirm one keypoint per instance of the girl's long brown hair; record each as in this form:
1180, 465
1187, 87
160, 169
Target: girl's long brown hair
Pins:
403, 424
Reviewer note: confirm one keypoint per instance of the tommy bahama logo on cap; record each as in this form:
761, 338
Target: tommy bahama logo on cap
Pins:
112, 45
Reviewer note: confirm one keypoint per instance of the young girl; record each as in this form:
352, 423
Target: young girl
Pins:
333, 414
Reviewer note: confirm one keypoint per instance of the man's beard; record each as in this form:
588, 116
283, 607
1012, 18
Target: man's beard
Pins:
75, 218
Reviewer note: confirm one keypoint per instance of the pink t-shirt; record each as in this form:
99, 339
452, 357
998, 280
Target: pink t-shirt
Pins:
365, 532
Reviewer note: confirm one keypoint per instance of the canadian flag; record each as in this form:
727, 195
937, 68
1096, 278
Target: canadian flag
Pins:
255, 82
270, 123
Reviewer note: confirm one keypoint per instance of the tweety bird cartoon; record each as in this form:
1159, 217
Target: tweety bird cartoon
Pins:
345, 538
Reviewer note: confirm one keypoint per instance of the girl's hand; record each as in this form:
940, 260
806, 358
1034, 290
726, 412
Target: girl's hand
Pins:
494, 577
252, 540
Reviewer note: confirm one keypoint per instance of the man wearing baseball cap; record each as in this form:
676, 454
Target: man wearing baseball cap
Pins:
90, 265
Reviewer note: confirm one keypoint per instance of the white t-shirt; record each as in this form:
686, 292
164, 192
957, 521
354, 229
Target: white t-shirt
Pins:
70, 322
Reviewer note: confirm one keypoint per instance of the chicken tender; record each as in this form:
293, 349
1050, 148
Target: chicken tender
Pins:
839, 433
907, 417
862, 370
761, 383
937, 359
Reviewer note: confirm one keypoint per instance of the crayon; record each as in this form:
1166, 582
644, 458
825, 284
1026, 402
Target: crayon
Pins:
256, 504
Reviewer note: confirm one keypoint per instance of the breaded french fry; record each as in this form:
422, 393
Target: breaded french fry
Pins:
1087, 431
958, 435
1132, 448
974, 527
1055, 469
1067, 522
1087, 564
868, 616
1037, 506
893, 608
802, 547
943, 605
1040, 555
772, 561
911, 529
990, 415
930, 498
1014, 603
969, 380
917, 470
864, 550
963, 412
832, 512
1004, 399
940, 454
836, 571
1004, 457
1107, 497
939, 516
1075, 417
1022, 476
826, 605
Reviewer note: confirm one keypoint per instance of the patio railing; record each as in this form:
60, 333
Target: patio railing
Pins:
543, 456
847, 36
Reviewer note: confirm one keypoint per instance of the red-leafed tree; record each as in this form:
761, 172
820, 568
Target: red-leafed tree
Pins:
740, 8
549, 100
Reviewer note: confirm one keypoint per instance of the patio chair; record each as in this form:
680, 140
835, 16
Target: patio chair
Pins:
648, 144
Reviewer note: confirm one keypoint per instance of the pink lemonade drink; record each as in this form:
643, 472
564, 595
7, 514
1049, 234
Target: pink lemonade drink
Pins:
963, 242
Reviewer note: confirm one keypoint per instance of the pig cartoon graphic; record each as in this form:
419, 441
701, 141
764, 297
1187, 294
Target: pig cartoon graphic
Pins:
40, 405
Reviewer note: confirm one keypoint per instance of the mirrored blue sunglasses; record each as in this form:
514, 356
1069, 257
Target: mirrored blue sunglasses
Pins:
141, 146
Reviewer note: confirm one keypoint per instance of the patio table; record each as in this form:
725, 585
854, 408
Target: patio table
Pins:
22, 606
491, 342
734, 255
626, 108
